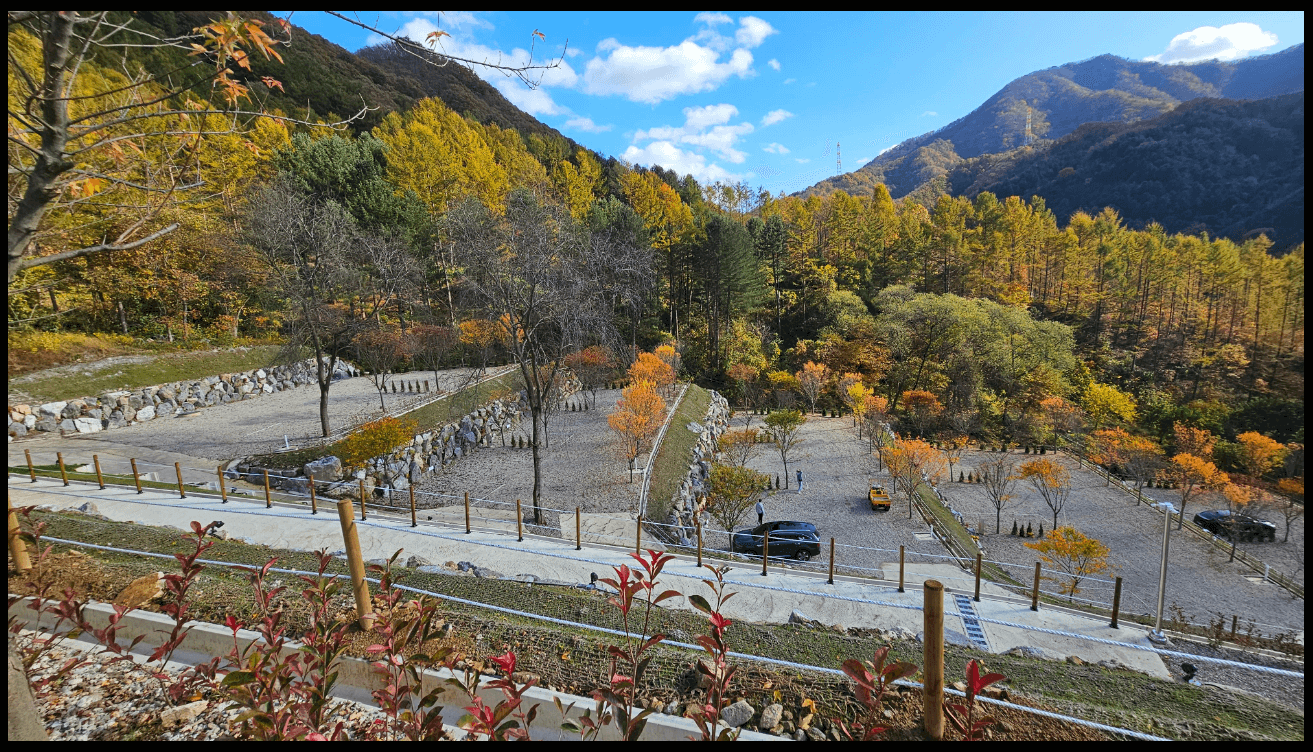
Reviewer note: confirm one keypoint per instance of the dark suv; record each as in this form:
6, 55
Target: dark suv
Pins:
798, 540
1222, 522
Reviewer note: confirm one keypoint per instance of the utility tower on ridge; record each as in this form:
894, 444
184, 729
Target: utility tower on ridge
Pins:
838, 159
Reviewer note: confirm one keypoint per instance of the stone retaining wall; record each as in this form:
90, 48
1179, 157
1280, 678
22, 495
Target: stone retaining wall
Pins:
693, 485
119, 409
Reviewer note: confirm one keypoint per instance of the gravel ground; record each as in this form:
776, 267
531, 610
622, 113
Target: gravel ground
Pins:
241, 428
104, 701
1285, 690
836, 468
1200, 580
582, 466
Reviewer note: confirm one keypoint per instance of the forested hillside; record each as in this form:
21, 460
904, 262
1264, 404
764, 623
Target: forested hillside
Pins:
1049, 104
431, 238
1229, 168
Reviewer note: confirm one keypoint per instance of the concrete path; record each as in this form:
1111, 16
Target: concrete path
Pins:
769, 599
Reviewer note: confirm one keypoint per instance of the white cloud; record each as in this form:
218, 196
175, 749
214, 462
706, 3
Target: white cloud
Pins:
712, 19
563, 75
653, 74
885, 149
536, 102
802, 160
706, 127
680, 160
775, 116
1229, 42
463, 18
788, 81
773, 63
753, 31
587, 125
775, 148
930, 113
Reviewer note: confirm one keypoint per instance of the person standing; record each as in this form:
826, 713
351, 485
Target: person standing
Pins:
799, 478
761, 511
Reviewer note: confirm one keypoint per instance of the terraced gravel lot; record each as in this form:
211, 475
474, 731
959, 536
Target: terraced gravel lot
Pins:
1200, 580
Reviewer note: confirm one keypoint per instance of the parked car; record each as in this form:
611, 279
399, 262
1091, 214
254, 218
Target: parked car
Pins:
788, 538
1222, 522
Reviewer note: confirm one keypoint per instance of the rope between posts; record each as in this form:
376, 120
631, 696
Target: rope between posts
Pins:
810, 593
619, 633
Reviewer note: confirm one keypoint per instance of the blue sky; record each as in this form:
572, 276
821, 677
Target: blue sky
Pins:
765, 97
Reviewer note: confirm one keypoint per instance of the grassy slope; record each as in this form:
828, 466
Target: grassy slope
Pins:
573, 659
672, 459
160, 369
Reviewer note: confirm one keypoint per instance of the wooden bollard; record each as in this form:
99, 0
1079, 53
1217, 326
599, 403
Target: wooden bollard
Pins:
136, 476
314, 502
1034, 594
1116, 602
1235, 623
362, 499
765, 551
413, 521
100, 479
17, 548
933, 660
31, 469
638, 536
467, 512
901, 552
979, 561
831, 580
519, 522
698, 526
177, 468
268, 500
223, 490
62, 472
578, 532
356, 564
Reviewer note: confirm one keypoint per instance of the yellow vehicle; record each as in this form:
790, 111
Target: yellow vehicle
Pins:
880, 500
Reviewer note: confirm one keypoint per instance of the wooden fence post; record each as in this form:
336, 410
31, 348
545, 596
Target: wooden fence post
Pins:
901, 555
467, 512
933, 660
362, 499
62, 472
100, 479
31, 470
1116, 602
136, 476
413, 521
578, 532
223, 490
831, 580
519, 522
17, 548
765, 551
1034, 595
177, 468
314, 502
979, 561
356, 564
268, 500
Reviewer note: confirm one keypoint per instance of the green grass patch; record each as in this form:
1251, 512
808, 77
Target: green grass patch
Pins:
91, 379
429, 416
676, 448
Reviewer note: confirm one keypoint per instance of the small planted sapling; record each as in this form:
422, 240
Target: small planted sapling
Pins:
962, 715
872, 678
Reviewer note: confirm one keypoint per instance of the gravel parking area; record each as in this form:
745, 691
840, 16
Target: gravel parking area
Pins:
582, 466
836, 467
242, 428
1200, 580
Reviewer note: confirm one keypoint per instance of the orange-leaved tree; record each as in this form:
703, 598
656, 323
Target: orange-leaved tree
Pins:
1259, 454
913, 463
875, 414
1191, 440
1072, 553
1191, 476
811, 380
637, 418
651, 368
1063, 417
593, 366
1051, 480
1137, 457
739, 447
922, 408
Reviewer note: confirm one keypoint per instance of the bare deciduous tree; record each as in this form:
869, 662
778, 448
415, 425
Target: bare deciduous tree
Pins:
998, 477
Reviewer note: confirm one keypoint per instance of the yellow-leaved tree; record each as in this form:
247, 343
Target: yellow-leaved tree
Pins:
438, 155
1191, 476
1069, 551
1259, 454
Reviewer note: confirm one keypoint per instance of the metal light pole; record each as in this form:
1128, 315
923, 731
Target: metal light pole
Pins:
1168, 510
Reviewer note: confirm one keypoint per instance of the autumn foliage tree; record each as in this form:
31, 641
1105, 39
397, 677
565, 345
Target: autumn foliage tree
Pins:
593, 366
922, 408
784, 427
811, 380
1051, 480
1191, 440
375, 438
649, 367
1191, 476
874, 416
380, 350
739, 447
913, 463
859, 400
1137, 457
731, 491
637, 418
1259, 454
1069, 551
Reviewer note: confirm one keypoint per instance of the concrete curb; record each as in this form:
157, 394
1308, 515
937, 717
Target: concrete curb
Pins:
356, 676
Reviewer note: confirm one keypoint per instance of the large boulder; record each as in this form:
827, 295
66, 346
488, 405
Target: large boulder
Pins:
52, 409
147, 412
87, 425
324, 469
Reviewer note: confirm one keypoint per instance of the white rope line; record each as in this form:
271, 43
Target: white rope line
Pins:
619, 633
810, 593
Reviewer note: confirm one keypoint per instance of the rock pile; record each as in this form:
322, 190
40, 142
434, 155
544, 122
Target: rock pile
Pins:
119, 409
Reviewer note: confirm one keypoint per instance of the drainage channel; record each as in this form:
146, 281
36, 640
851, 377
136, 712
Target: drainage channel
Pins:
970, 622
